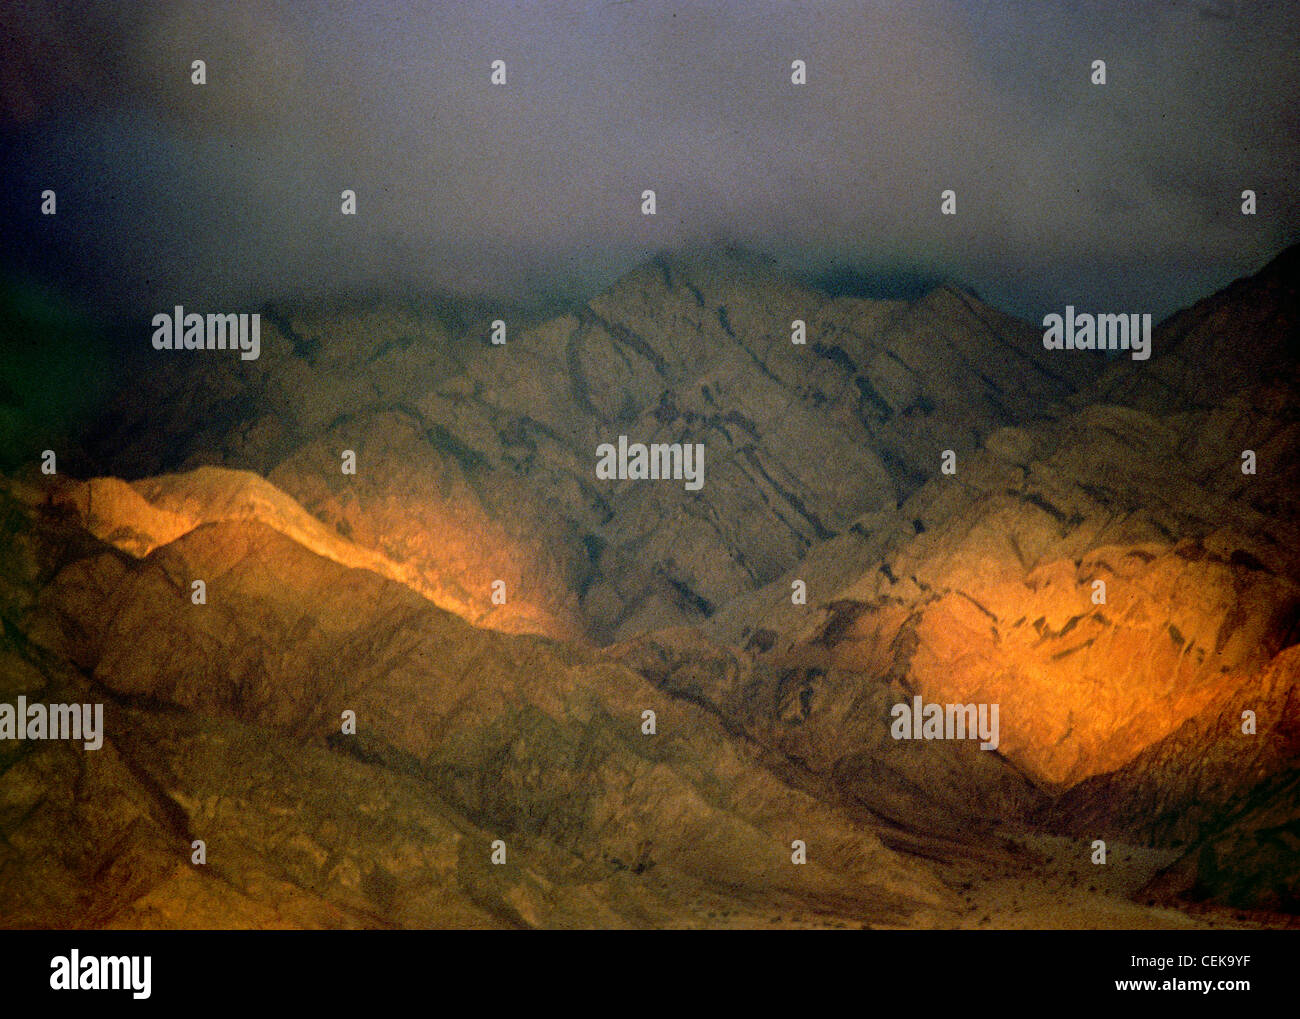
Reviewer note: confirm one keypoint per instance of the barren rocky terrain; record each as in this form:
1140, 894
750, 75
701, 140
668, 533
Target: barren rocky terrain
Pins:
477, 722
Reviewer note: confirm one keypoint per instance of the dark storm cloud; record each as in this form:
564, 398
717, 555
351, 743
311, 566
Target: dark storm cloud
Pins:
1123, 196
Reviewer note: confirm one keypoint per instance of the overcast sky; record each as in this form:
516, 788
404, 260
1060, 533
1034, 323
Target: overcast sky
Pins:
1120, 197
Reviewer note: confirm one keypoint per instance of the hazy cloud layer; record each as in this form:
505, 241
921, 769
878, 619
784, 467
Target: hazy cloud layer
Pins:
1124, 196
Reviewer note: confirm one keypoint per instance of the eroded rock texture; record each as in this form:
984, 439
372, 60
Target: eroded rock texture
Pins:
1098, 566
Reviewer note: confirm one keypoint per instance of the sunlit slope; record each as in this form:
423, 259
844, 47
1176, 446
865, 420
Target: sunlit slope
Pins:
224, 724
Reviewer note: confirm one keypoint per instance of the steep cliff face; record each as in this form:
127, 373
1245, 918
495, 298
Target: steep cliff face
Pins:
1095, 563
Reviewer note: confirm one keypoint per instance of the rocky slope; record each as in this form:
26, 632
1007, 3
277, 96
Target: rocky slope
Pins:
223, 724
1097, 565
984, 588
1223, 788
476, 462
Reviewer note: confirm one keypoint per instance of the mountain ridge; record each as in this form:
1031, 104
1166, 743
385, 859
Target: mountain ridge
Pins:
824, 467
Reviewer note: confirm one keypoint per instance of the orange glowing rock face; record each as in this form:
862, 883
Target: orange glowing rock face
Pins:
1083, 687
449, 560
1083, 684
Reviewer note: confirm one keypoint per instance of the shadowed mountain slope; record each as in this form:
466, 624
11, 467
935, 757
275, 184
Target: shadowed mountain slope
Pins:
455, 437
223, 724
1098, 566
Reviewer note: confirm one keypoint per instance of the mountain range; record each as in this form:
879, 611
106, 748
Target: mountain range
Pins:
919, 500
